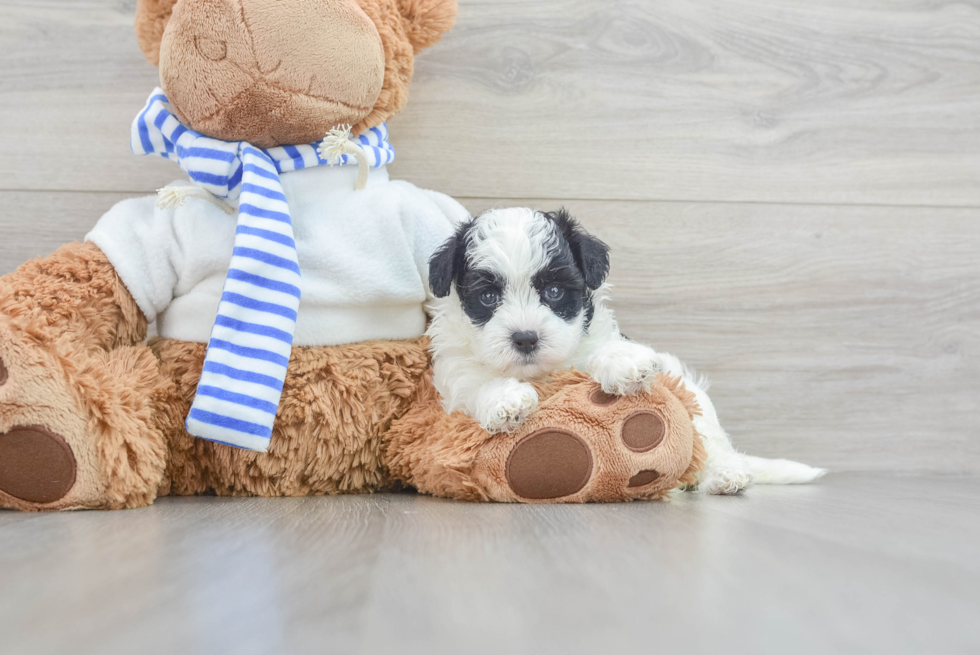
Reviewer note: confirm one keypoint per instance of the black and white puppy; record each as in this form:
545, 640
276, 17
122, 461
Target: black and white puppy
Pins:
519, 294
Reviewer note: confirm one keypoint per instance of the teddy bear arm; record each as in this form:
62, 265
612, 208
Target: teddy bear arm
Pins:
74, 294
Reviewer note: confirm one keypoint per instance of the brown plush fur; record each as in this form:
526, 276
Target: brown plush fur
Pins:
151, 20
349, 61
426, 21
335, 407
399, 54
73, 296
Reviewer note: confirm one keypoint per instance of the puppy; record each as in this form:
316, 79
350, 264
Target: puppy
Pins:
520, 293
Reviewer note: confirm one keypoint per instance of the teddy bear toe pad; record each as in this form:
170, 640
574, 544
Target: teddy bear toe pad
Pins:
643, 478
642, 431
36, 465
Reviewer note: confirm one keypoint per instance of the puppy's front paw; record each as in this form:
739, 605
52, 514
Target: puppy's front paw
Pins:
624, 368
505, 405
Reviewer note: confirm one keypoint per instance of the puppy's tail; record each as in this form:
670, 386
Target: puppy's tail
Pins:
781, 471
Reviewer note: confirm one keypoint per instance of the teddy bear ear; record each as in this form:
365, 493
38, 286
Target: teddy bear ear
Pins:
151, 20
427, 20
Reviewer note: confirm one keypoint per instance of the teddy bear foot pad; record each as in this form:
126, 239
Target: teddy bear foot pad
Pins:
36, 465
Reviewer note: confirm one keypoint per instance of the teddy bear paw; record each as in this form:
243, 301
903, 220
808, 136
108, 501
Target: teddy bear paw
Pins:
607, 448
582, 445
37, 465
49, 458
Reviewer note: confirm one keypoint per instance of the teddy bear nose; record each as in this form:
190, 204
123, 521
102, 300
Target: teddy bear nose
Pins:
525, 342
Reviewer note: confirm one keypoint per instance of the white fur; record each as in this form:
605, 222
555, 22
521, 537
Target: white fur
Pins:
504, 403
476, 370
624, 368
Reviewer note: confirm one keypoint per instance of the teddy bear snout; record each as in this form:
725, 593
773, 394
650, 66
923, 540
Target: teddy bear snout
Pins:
226, 78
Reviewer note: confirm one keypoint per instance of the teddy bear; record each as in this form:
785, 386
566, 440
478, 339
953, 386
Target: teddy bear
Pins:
287, 280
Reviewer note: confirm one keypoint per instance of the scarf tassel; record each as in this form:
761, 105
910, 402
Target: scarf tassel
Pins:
336, 143
172, 197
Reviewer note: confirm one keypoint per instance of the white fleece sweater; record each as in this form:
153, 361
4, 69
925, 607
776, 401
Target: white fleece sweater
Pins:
363, 256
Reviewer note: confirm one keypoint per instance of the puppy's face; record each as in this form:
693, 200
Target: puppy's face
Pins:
523, 281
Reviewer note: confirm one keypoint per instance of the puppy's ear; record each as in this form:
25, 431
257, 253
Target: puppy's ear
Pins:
427, 20
152, 17
591, 255
447, 262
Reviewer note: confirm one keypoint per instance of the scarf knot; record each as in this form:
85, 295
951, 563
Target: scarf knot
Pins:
217, 165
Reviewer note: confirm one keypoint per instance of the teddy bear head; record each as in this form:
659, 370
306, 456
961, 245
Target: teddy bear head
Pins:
284, 72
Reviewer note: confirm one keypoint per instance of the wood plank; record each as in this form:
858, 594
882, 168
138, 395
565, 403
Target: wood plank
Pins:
829, 102
851, 564
36, 223
73, 78
847, 337
826, 102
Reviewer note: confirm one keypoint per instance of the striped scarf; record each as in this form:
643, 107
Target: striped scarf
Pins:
247, 355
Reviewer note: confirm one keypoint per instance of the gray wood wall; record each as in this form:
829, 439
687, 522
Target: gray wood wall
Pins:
791, 188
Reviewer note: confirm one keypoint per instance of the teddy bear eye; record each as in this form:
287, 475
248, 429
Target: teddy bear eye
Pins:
489, 298
553, 293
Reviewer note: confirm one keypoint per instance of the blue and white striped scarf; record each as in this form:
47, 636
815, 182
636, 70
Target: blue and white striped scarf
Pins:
245, 365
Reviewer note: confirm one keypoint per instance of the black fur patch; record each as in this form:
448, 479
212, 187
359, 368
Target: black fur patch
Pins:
591, 255
563, 273
474, 283
589, 313
447, 263
448, 266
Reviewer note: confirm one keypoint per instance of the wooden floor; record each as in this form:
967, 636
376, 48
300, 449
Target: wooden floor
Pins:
853, 564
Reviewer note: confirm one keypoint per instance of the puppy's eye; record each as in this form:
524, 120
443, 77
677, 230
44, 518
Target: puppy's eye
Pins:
489, 298
553, 293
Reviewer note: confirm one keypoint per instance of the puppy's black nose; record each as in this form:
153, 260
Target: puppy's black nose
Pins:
525, 342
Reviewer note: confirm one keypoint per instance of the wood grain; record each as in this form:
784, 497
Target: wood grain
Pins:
36, 223
746, 100
854, 563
